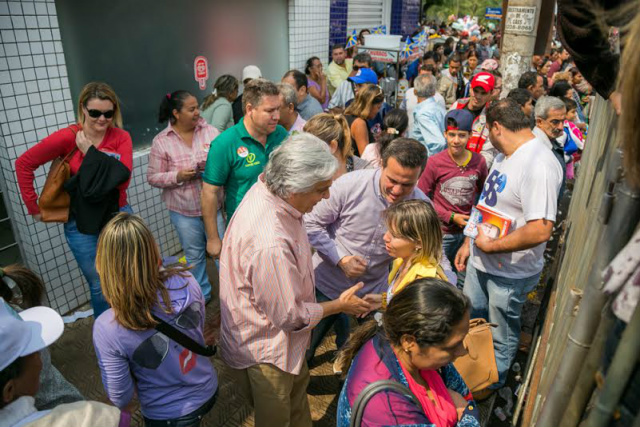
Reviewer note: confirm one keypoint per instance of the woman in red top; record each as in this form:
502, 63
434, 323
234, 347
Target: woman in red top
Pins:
98, 135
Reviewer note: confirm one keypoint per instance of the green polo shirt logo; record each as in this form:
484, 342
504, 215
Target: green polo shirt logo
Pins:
251, 161
235, 161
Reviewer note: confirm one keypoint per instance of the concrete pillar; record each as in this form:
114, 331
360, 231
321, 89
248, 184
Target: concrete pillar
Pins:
519, 38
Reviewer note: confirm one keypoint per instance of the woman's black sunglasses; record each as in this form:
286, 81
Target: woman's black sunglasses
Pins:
97, 113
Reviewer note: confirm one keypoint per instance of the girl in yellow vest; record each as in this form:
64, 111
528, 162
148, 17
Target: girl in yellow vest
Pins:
414, 239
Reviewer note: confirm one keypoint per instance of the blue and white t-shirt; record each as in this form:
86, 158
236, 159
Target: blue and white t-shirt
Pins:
524, 186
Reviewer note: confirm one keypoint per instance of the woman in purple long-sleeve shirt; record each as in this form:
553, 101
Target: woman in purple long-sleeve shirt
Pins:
172, 383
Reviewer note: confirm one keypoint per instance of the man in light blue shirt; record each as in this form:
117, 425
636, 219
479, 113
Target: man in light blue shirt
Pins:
428, 116
308, 106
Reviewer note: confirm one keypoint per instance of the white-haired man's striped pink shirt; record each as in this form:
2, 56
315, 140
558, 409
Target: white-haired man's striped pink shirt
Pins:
267, 290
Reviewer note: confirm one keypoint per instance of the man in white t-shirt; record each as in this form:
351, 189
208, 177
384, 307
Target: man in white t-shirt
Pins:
523, 183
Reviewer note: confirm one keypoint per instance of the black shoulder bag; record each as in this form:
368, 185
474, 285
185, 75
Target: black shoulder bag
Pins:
183, 339
357, 411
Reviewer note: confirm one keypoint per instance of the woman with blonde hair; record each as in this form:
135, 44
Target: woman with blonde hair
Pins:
174, 385
414, 239
98, 143
334, 130
365, 106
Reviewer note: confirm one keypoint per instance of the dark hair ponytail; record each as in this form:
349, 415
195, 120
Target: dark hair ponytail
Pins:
309, 64
29, 284
172, 101
358, 338
398, 121
224, 87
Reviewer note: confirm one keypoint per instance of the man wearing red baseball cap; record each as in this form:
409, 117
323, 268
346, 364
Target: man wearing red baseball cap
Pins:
482, 86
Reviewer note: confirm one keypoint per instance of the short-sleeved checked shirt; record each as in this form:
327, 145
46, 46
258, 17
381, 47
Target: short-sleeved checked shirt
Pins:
236, 160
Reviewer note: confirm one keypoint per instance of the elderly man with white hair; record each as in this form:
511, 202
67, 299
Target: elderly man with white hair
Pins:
550, 115
267, 289
428, 116
289, 117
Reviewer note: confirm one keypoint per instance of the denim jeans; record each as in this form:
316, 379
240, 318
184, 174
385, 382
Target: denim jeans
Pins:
193, 239
340, 323
83, 247
499, 300
451, 243
190, 420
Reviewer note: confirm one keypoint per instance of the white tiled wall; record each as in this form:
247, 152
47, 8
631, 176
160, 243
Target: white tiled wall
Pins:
308, 31
36, 101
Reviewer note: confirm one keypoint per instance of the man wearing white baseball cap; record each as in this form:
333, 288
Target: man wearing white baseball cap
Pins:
22, 336
249, 73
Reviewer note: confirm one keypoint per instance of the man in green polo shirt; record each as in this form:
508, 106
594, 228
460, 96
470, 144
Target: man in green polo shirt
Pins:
238, 155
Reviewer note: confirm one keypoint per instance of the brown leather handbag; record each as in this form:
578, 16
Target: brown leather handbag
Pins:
478, 367
54, 200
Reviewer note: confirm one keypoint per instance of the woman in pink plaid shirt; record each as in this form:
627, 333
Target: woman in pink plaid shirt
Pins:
176, 162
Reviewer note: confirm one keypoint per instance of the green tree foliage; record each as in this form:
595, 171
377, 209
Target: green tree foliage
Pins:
441, 9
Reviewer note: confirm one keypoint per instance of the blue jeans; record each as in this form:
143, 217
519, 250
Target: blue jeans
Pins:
451, 243
499, 300
193, 239
340, 323
83, 247
190, 420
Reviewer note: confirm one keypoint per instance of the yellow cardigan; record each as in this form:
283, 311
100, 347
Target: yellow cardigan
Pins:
420, 268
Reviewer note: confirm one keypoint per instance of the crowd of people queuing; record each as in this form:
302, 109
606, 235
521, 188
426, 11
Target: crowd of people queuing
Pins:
320, 203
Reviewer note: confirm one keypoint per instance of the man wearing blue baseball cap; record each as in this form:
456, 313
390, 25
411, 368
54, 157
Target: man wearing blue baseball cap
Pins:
364, 76
22, 336
453, 179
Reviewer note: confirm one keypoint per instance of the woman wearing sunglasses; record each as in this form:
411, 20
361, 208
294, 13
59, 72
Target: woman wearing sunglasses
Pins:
98, 143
